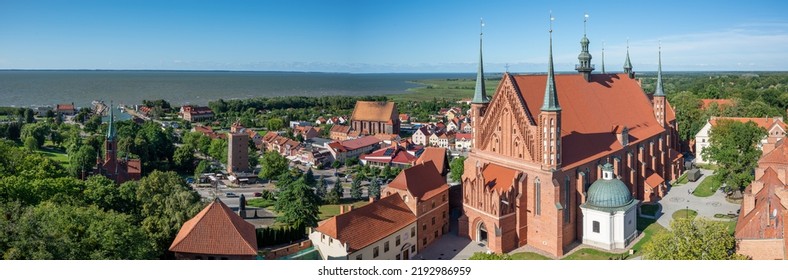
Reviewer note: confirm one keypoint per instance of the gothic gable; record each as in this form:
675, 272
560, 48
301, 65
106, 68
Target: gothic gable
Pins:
508, 127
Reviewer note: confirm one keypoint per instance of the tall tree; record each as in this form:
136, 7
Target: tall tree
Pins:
184, 158
689, 116
374, 188
273, 165
82, 159
457, 167
733, 146
355, 189
297, 204
692, 239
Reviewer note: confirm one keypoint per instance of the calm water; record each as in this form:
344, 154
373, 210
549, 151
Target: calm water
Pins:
26, 88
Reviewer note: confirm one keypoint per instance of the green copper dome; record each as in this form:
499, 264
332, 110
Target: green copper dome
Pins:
608, 192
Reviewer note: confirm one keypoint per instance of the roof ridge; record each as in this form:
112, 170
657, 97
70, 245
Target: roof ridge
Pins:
227, 214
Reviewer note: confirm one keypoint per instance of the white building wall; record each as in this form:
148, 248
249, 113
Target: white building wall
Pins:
406, 242
329, 248
603, 238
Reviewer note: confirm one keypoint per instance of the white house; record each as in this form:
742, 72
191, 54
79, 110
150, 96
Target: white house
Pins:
775, 128
421, 136
609, 213
462, 141
382, 230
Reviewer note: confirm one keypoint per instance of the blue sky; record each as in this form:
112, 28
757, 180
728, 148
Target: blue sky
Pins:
388, 36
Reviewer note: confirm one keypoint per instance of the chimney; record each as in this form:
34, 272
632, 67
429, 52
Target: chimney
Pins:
350, 207
748, 204
341, 209
372, 198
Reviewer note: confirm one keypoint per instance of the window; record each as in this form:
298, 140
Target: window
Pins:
537, 197
424, 242
360, 257
567, 200
385, 247
444, 197
322, 236
375, 252
436, 234
444, 214
424, 227
412, 231
596, 226
396, 241
413, 248
398, 257
330, 241
433, 220
433, 205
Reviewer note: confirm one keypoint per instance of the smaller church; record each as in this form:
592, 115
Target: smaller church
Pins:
119, 171
609, 213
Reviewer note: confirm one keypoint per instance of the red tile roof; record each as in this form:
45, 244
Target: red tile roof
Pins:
779, 155
760, 223
374, 111
421, 180
437, 156
216, 230
705, 103
466, 136
589, 109
498, 178
360, 142
369, 223
64, 107
340, 128
653, 179
396, 154
765, 123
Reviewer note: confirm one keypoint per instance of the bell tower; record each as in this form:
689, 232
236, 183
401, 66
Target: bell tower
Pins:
480, 100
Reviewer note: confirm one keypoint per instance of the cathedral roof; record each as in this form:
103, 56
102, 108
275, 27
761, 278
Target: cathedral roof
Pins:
374, 111
589, 109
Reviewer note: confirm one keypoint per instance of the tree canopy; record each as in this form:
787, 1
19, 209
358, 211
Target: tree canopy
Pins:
734, 147
297, 203
457, 167
692, 239
273, 165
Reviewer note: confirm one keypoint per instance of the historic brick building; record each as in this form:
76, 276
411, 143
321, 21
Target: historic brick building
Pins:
425, 192
372, 117
237, 152
760, 231
216, 233
119, 170
541, 141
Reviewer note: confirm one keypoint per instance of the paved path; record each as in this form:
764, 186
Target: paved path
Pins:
450, 247
680, 197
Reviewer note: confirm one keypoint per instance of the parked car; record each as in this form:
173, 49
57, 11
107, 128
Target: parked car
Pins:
230, 194
258, 194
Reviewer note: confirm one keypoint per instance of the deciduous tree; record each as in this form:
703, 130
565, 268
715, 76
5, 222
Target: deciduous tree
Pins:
692, 239
733, 146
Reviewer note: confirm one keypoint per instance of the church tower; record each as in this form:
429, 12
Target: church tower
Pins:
659, 94
550, 117
584, 57
110, 146
480, 100
628, 65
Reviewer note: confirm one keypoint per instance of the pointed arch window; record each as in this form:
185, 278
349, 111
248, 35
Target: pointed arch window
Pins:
537, 197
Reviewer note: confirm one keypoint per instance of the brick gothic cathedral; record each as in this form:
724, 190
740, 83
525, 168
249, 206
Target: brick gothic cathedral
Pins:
540, 142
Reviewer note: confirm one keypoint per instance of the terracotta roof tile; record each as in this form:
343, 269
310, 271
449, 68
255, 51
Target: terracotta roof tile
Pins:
759, 223
705, 103
374, 111
498, 178
653, 179
588, 110
765, 123
360, 142
369, 223
216, 230
437, 156
340, 128
421, 180
779, 155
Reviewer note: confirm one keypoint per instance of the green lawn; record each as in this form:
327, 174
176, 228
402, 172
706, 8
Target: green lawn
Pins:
260, 202
592, 254
685, 213
55, 154
528, 256
426, 90
707, 187
649, 228
731, 226
682, 180
649, 209
330, 210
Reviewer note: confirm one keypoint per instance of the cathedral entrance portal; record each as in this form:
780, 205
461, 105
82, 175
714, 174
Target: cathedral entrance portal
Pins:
481, 234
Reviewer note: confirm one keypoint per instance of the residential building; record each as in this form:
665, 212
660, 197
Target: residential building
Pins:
382, 230
462, 141
761, 228
307, 132
339, 132
195, 113
216, 233
426, 193
404, 118
394, 155
372, 117
775, 128
720, 103
422, 136
65, 109
341, 150
284, 146
531, 165
439, 158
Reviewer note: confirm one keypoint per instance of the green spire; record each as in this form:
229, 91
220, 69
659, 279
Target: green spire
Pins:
658, 91
480, 95
111, 128
550, 96
627, 63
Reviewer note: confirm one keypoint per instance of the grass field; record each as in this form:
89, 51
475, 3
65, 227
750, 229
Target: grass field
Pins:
456, 89
55, 154
260, 202
649, 228
682, 180
592, 254
330, 210
685, 213
528, 256
707, 187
